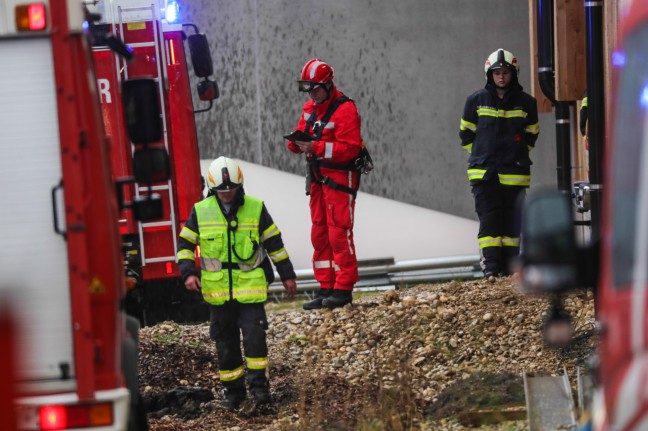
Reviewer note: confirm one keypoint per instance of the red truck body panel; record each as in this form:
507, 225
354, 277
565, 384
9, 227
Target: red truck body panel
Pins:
66, 280
622, 302
96, 279
8, 365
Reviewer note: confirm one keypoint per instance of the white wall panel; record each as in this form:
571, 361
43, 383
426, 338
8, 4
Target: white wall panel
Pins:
33, 261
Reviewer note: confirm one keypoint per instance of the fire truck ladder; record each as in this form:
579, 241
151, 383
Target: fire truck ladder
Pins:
143, 14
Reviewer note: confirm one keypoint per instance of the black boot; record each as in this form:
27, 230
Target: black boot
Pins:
261, 395
234, 394
340, 298
259, 386
316, 302
234, 399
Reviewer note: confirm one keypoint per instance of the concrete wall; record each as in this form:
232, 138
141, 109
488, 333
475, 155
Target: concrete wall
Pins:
409, 64
439, 234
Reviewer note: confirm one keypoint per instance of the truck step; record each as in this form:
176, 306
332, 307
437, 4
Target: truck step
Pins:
154, 188
157, 223
142, 44
160, 259
550, 405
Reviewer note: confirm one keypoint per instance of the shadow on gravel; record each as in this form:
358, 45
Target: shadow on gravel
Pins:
186, 401
479, 391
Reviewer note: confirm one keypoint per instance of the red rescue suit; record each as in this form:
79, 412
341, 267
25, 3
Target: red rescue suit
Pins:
332, 210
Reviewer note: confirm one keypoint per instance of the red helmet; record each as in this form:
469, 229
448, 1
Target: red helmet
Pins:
315, 72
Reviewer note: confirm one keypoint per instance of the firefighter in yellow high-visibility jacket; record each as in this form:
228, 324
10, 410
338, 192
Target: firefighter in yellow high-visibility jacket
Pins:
237, 239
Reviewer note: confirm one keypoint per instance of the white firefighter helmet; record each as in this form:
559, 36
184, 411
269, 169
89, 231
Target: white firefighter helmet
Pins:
501, 58
224, 174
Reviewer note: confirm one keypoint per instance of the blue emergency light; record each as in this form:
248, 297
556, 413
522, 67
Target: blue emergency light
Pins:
643, 97
172, 12
618, 58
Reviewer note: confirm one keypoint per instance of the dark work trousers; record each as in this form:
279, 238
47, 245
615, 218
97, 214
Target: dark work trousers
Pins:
499, 226
227, 321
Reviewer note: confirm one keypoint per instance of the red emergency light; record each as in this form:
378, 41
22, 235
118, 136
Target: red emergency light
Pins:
62, 417
31, 17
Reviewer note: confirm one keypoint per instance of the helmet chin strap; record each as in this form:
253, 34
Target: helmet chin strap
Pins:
514, 80
328, 90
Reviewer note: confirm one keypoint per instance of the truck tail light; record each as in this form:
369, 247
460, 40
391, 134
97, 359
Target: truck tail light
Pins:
31, 17
61, 417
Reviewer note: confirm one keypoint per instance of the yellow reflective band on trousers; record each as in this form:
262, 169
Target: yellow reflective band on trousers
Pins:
508, 241
476, 174
515, 180
230, 375
489, 241
217, 242
257, 363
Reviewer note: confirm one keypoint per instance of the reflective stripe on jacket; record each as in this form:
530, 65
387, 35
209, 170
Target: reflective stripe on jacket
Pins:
237, 250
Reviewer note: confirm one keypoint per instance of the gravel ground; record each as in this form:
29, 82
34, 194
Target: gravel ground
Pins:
421, 358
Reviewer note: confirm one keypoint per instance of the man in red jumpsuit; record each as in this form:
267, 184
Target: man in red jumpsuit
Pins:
334, 129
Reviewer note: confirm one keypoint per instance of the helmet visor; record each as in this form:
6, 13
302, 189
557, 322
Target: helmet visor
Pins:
305, 86
226, 186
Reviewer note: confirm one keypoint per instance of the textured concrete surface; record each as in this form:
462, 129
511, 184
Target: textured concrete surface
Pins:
409, 65
383, 228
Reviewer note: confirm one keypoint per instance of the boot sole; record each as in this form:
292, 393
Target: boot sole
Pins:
316, 306
331, 306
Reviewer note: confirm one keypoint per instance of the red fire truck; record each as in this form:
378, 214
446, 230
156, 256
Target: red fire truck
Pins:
62, 274
7, 364
152, 30
553, 261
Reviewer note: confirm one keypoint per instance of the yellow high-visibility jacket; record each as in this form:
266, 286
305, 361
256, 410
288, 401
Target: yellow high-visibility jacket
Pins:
234, 250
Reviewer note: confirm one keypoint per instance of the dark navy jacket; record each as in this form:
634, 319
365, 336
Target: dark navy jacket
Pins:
499, 133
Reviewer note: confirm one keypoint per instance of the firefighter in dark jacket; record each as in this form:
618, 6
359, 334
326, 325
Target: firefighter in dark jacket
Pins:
499, 128
237, 240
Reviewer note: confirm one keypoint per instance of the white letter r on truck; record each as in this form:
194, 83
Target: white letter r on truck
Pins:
104, 90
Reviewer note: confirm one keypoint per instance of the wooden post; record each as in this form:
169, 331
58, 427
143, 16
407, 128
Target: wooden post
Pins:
569, 50
544, 104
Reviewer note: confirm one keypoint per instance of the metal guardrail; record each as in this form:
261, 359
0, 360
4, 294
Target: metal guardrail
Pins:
387, 272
